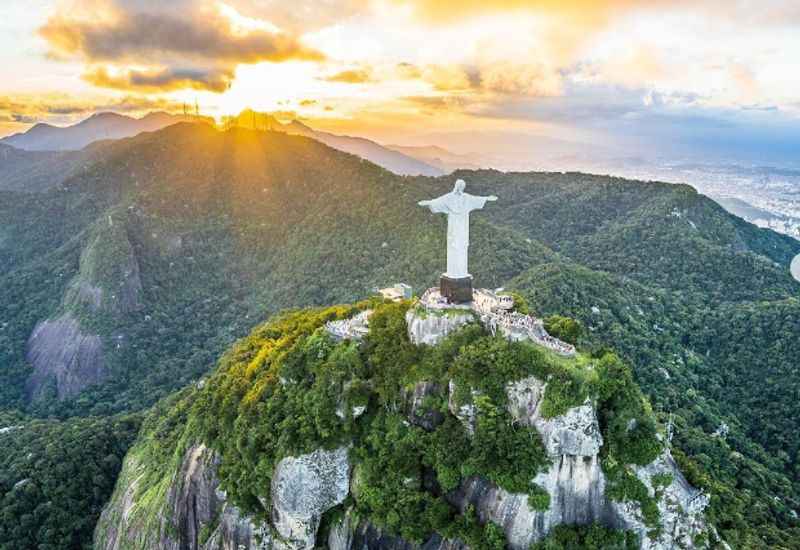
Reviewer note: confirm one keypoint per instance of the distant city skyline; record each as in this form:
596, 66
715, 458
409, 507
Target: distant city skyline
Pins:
716, 78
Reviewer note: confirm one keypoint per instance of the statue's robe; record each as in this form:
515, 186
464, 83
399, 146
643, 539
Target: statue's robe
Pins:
457, 206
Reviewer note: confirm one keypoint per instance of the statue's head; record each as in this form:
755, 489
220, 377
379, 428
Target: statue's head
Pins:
459, 186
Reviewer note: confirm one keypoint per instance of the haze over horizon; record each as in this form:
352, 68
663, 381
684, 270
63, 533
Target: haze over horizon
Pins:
705, 79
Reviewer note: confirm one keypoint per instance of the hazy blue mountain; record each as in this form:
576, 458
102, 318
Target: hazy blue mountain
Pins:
100, 126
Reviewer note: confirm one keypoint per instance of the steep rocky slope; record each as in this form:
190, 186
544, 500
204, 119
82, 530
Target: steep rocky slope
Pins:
301, 440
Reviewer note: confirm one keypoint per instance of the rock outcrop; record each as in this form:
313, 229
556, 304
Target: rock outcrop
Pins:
419, 413
680, 505
195, 513
346, 534
576, 484
575, 433
427, 327
63, 357
574, 481
303, 488
109, 278
467, 412
576, 489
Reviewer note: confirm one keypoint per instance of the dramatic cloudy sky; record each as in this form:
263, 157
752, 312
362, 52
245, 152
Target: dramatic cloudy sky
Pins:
709, 74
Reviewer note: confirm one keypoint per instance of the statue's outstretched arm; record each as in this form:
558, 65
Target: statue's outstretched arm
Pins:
424, 203
491, 198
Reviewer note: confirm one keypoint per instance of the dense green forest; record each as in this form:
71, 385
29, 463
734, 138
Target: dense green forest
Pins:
171, 245
56, 476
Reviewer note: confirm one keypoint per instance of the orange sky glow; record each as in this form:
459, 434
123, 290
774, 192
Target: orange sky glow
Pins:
403, 70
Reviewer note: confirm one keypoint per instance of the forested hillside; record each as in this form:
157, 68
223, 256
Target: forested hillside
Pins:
290, 389
55, 477
154, 257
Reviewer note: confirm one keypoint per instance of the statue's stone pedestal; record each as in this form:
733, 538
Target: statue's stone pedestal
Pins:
456, 291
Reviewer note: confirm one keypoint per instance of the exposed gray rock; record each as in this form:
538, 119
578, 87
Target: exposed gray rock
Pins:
85, 293
576, 484
681, 507
355, 411
305, 487
345, 535
575, 433
237, 532
108, 278
467, 413
194, 498
418, 414
429, 327
574, 480
576, 488
61, 353
523, 399
195, 514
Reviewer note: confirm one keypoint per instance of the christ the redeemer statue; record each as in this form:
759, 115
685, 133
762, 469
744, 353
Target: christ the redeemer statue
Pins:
456, 282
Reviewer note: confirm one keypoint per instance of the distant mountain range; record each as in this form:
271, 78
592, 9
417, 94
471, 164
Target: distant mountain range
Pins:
394, 160
408, 161
100, 126
441, 158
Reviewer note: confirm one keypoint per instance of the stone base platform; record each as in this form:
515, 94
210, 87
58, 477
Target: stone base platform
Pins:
456, 291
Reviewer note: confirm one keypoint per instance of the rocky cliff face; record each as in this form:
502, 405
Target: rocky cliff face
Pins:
191, 514
351, 534
576, 484
314, 499
681, 506
63, 357
574, 481
303, 488
195, 515
63, 353
109, 278
431, 328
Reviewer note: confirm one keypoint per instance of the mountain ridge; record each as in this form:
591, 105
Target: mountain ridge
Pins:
98, 126
109, 126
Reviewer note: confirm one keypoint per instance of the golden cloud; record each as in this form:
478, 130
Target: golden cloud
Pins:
160, 80
196, 48
29, 109
596, 11
357, 76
